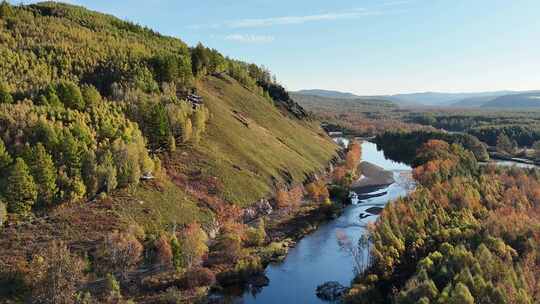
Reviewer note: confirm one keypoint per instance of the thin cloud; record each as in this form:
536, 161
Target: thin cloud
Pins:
249, 38
290, 20
286, 20
396, 3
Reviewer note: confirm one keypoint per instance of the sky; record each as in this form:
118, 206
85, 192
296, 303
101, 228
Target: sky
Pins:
365, 47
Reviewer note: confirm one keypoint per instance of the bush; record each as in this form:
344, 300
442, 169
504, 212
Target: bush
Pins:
120, 252
248, 267
112, 288
56, 274
198, 277
255, 236
171, 296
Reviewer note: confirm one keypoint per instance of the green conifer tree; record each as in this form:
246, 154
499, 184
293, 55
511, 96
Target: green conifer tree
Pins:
89, 172
5, 158
44, 174
5, 95
461, 295
21, 191
70, 95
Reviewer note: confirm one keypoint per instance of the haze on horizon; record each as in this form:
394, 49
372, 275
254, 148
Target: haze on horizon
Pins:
364, 47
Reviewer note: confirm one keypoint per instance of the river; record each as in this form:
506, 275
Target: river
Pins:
318, 258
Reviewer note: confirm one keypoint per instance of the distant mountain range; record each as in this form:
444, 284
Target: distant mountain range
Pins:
522, 100
495, 99
328, 94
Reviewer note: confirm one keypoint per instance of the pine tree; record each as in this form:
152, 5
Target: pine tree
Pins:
89, 172
70, 95
5, 158
187, 131
199, 123
21, 191
461, 295
71, 153
159, 125
107, 173
51, 97
171, 144
5, 96
90, 95
44, 173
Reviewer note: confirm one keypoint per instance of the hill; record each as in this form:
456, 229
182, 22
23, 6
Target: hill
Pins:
472, 102
516, 101
312, 102
115, 139
327, 93
441, 99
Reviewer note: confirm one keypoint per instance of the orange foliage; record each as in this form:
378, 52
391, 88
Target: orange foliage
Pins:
317, 191
282, 198
295, 196
339, 174
354, 154
164, 252
289, 198
434, 171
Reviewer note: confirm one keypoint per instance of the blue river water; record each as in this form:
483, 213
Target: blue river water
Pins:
318, 258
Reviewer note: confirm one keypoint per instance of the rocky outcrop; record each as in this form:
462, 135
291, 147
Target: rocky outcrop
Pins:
282, 99
261, 208
331, 291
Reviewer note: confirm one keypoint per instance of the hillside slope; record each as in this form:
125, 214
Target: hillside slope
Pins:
252, 147
114, 138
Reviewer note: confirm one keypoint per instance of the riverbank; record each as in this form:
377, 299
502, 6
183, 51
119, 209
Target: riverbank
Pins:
315, 255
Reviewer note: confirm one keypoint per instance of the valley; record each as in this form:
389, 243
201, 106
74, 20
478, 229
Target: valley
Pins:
159, 161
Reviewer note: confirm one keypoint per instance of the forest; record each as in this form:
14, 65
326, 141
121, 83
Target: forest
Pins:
125, 154
468, 234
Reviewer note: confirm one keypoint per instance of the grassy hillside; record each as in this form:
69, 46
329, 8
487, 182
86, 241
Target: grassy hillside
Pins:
101, 149
250, 158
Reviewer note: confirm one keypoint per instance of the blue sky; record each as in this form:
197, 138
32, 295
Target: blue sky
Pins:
362, 46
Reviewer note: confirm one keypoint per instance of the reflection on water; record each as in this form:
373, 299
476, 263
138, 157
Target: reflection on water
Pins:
318, 258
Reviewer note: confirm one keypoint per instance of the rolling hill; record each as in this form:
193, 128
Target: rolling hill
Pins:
327, 93
515, 101
320, 104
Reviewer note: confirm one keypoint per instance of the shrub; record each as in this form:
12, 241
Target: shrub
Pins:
248, 266
171, 296
112, 288
56, 274
193, 242
120, 252
228, 248
318, 191
255, 236
164, 252
198, 277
